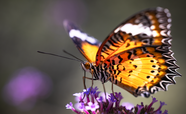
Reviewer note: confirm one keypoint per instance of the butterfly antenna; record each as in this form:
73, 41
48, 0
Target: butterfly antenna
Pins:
59, 56
72, 56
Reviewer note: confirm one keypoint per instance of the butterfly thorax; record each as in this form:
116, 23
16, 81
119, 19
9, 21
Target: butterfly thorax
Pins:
100, 72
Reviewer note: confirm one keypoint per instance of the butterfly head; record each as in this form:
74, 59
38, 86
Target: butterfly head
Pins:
86, 66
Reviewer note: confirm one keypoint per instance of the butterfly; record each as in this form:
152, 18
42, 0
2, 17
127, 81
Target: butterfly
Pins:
135, 56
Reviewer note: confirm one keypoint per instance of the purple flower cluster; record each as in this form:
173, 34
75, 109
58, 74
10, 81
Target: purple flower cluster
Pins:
89, 102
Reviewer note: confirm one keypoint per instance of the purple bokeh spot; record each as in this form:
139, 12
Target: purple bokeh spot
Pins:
27, 86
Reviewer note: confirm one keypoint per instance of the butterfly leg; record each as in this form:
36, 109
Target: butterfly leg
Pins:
104, 90
84, 77
111, 76
113, 88
92, 82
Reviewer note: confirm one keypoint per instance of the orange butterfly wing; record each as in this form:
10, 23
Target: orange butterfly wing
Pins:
88, 46
142, 29
137, 53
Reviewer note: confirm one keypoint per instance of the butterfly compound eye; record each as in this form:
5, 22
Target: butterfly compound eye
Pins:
87, 65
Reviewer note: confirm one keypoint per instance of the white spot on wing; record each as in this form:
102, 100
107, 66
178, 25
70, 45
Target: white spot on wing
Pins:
169, 20
116, 30
166, 10
152, 27
82, 36
163, 33
155, 33
168, 26
159, 9
136, 29
168, 15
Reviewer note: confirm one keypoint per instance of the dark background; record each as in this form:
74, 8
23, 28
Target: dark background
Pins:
27, 26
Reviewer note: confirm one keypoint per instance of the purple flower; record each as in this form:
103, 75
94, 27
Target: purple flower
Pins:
100, 100
80, 106
104, 97
69, 106
79, 96
139, 108
111, 100
119, 98
161, 104
26, 87
92, 106
127, 105
153, 101
165, 112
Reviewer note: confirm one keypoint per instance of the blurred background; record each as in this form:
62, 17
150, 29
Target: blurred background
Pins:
32, 83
